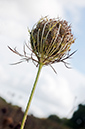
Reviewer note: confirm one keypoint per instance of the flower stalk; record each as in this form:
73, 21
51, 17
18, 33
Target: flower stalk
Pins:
31, 96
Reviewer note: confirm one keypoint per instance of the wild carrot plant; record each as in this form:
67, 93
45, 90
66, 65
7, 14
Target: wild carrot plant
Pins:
50, 42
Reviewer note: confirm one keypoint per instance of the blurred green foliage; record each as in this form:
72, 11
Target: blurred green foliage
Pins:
78, 119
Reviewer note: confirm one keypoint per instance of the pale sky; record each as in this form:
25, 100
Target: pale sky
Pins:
55, 94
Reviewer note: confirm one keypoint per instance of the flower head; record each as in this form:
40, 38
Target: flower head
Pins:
50, 41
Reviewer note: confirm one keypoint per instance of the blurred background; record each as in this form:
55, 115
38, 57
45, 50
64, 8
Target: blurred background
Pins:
55, 94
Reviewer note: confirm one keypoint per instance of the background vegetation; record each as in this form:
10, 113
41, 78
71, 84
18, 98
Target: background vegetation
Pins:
11, 116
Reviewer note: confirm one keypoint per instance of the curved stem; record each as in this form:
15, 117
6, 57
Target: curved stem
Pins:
31, 95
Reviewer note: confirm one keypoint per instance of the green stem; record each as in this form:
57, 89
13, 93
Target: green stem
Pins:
31, 95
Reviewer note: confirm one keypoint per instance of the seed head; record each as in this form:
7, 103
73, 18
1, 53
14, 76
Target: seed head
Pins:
50, 41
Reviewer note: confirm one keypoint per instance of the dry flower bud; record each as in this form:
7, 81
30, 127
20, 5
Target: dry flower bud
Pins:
51, 40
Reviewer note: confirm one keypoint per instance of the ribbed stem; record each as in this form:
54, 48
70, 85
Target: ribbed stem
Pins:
31, 95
